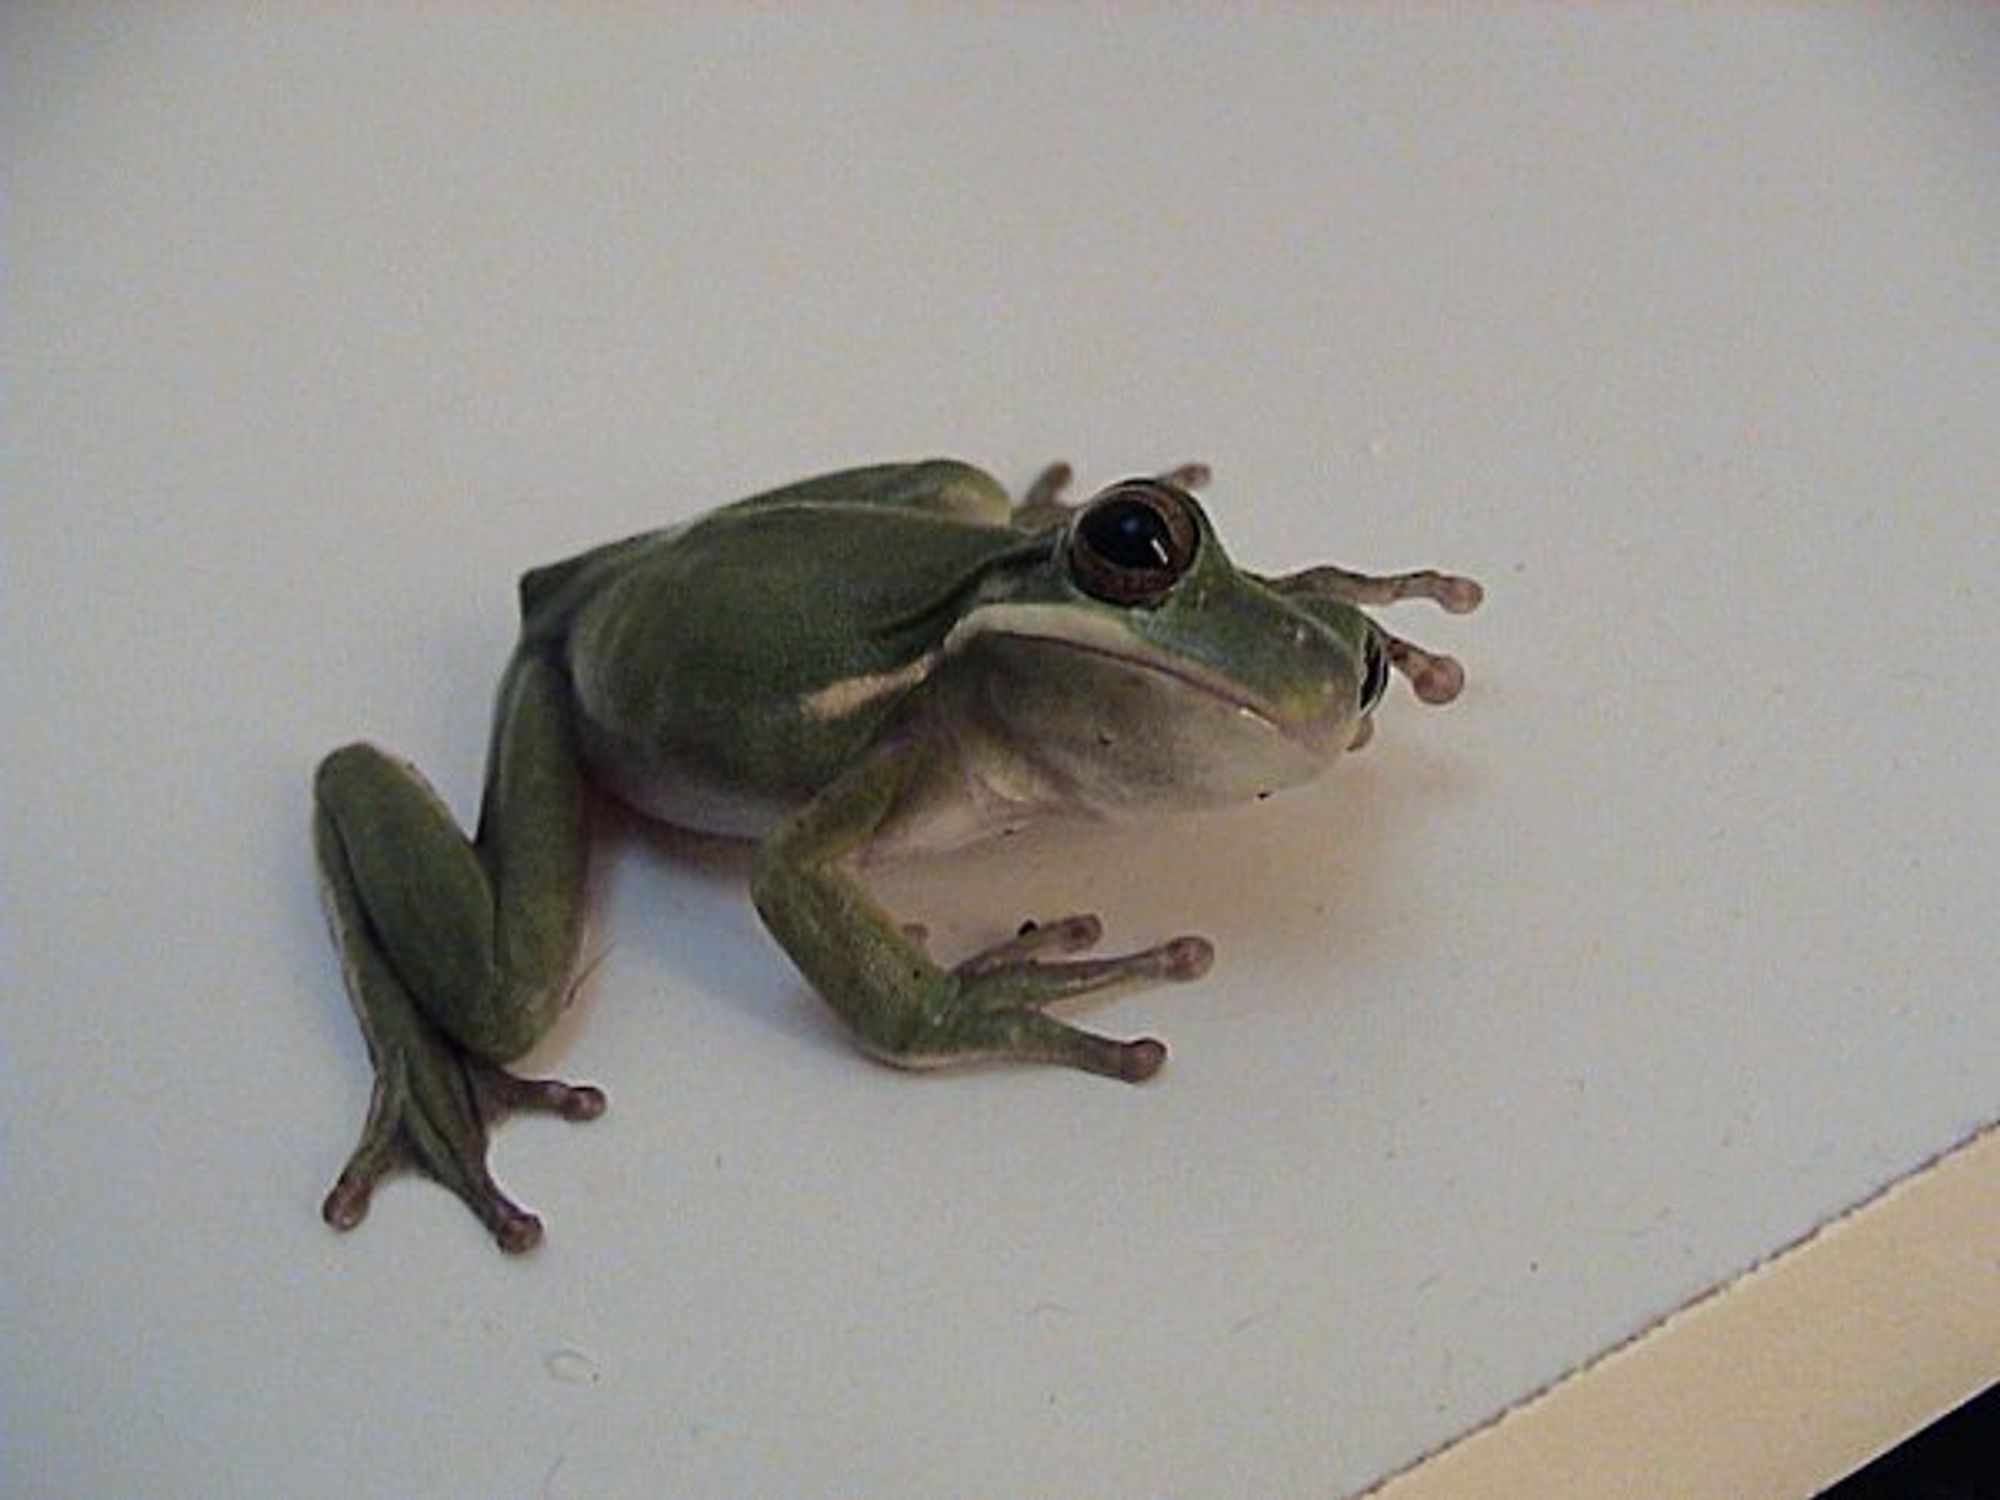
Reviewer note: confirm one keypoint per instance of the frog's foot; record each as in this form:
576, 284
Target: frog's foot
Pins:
1000, 995
429, 1113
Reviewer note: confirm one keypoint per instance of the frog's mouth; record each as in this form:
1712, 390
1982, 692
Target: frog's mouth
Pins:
1120, 685
1189, 676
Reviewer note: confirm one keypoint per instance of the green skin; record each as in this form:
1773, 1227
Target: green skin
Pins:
877, 661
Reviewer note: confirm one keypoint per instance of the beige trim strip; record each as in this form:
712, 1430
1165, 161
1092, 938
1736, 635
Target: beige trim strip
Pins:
1780, 1382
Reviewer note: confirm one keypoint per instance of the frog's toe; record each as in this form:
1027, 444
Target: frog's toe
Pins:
1140, 1060
1459, 596
1024, 1033
514, 1229
1435, 678
502, 1093
347, 1204
1010, 973
1178, 959
1071, 934
1042, 1038
518, 1233
1047, 489
1186, 957
1188, 476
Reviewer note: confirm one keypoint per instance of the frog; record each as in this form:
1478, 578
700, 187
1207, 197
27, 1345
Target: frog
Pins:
886, 661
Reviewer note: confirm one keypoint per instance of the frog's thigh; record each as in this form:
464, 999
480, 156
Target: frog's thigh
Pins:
417, 904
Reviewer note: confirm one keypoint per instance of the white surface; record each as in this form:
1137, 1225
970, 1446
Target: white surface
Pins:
1677, 935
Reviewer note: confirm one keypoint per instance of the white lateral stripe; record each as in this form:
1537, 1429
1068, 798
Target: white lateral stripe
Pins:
1048, 622
838, 699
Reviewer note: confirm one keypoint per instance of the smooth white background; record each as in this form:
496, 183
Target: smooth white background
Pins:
1675, 936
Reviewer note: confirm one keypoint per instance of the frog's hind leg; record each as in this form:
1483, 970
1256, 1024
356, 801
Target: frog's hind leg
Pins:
457, 952
432, 1101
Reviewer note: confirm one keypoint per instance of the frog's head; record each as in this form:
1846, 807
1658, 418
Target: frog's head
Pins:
1136, 664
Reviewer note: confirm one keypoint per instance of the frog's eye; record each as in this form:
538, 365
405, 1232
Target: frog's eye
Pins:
1374, 673
1133, 542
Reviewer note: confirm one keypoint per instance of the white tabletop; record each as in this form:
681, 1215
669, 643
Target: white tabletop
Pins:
1674, 938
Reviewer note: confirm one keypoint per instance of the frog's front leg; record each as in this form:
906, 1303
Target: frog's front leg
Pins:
457, 952
1435, 678
903, 1007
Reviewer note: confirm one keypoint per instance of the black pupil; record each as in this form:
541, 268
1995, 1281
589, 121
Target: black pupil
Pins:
1129, 535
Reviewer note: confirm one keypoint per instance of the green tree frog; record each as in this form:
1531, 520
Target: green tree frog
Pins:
873, 662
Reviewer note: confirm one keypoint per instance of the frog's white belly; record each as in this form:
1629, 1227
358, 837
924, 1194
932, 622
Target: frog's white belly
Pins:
975, 791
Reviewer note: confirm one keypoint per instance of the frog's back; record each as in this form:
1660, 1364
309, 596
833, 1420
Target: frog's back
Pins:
726, 670
946, 488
